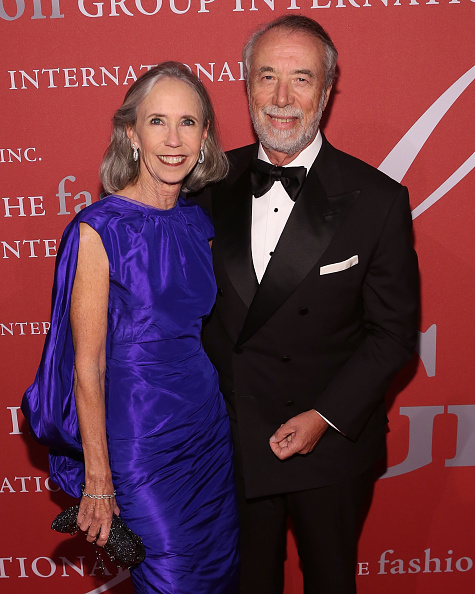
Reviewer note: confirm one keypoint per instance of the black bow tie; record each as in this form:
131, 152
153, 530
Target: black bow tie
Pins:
263, 176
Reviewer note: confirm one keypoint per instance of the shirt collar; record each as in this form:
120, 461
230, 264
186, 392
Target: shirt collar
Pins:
303, 159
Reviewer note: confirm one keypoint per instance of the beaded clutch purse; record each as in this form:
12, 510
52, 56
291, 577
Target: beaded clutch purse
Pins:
123, 547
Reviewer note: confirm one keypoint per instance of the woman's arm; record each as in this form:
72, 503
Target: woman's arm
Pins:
89, 303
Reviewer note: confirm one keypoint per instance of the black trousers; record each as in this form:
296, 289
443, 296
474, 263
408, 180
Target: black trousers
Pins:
327, 523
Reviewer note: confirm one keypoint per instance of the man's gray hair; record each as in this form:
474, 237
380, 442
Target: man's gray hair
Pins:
295, 24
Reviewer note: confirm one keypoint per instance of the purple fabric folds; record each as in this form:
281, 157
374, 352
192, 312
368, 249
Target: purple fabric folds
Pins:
49, 404
168, 433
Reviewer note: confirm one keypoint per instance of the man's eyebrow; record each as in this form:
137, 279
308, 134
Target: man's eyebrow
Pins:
305, 71
265, 69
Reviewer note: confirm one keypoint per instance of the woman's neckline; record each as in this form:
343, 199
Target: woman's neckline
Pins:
147, 206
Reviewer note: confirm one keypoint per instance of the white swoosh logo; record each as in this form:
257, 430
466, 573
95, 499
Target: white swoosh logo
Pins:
397, 163
121, 577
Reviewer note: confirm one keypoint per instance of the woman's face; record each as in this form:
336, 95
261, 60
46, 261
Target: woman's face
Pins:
169, 133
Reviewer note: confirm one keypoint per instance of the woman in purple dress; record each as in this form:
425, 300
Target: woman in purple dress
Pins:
125, 396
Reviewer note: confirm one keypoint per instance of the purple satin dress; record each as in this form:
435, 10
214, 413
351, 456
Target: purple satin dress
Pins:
168, 432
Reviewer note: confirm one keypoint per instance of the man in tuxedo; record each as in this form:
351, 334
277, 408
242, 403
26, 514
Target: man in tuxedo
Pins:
315, 313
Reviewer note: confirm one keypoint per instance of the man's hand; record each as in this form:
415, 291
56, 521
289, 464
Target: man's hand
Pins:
299, 435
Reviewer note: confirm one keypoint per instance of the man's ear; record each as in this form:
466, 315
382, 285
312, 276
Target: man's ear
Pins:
327, 96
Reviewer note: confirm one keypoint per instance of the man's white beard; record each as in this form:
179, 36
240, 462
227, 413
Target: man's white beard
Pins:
289, 142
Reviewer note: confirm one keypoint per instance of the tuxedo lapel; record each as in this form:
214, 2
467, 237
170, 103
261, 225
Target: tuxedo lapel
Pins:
308, 232
233, 233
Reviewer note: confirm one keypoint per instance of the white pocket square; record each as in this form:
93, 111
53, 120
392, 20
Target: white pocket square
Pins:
339, 266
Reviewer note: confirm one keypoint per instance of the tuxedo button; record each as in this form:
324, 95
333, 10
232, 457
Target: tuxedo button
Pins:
285, 359
238, 350
303, 311
220, 291
289, 403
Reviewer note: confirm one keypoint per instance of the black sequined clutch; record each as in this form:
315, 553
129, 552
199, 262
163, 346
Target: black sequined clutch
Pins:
123, 547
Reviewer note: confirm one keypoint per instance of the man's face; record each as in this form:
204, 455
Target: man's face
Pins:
286, 92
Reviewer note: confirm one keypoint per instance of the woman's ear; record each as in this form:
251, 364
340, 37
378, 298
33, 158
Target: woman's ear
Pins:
204, 136
130, 131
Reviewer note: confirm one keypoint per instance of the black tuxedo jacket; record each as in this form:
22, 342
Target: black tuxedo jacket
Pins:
333, 319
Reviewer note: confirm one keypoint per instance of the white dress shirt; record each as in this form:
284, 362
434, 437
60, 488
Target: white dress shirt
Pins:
271, 211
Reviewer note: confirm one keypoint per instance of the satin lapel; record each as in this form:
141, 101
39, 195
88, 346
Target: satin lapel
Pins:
233, 228
308, 232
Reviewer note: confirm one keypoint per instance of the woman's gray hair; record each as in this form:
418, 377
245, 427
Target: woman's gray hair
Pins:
295, 24
118, 167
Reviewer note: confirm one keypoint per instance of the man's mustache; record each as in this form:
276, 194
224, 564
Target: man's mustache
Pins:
283, 112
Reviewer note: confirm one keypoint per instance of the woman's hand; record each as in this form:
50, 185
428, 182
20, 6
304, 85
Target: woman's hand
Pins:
95, 515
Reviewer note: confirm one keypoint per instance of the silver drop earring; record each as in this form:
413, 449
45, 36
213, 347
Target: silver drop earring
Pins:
136, 152
201, 158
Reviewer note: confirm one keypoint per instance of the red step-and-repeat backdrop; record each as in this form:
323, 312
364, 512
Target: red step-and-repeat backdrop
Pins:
403, 102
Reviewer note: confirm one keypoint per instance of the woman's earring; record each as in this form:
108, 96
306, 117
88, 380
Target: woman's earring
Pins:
201, 158
136, 152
